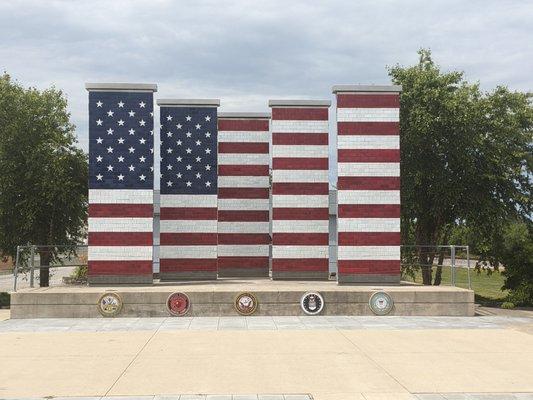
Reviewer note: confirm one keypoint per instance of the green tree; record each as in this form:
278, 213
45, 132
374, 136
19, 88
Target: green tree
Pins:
466, 156
43, 179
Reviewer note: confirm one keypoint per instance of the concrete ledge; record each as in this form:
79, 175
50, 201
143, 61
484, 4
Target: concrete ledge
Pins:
367, 278
299, 103
188, 276
120, 279
121, 87
243, 115
188, 102
300, 275
243, 272
366, 88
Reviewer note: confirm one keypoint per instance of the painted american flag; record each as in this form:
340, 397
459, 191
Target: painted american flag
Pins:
368, 183
189, 182
120, 183
243, 194
300, 189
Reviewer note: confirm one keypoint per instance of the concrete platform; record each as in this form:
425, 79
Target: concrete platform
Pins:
215, 298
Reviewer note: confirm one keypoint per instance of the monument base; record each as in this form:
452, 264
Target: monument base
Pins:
216, 298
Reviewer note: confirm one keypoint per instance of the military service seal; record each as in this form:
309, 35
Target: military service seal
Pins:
312, 303
381, 303
110, 304
245, 303
178, 304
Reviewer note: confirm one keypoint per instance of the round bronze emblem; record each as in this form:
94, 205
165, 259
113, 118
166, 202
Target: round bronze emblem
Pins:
312, 303
381, 303
110, 304
178, 304
245, 304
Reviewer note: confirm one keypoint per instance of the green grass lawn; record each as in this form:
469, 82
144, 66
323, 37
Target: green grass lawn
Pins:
486, 287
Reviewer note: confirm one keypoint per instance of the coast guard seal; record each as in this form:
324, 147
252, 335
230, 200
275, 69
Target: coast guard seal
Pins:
312, 303
110, 304
245, 303
381, 303
178, 304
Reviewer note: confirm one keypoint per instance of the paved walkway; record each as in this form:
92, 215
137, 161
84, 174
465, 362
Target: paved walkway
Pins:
331, 358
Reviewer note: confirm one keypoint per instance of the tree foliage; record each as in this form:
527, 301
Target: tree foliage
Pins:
43, 179
466, 156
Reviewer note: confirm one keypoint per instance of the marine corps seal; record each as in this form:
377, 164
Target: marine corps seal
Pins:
245, 303
178, 304
312, 303
381, 303
110, 304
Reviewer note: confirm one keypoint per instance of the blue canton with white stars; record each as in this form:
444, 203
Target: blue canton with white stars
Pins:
121, 137
188, 150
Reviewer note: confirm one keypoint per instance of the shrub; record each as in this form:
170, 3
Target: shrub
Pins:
5, 299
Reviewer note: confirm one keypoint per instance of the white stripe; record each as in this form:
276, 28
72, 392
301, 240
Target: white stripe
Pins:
299, 201
243, 137
244, 204
345, 142
120, 224
310, 175
185, 200
299, 151
243, 181
119, 253
243, 227
121, 196
243, 159
369, 252
369, 225
369, 169
368, 196
300, 126
300, 251
188, 226
188, 252
249, 250
304, 226
368, 114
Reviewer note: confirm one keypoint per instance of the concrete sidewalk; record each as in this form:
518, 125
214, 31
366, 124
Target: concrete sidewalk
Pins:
367, 363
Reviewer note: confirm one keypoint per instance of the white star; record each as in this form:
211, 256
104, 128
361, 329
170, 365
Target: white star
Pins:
151, 133
208, 151
178, 174
189, 183
198, 126
152, 169
99, 140
120, 140
198, 159
142, 177
169, 183
99, 177
169, 118
208, 184
169, 167
178, 126
99, 159
178, 142
121, 122
142, 140
121, 104
189, 167
169, 150
188, 134
208, 118
198, 175
120, 177
188, 151
120, 159
207, 134
99, 103
169, 134
142, 123
132, 131
152, 150
131, 113
142, 159
142, 104
131, 150
109, 149
131, 168
178, 159
198, 143
110, 168
99, 122
188, 117
151, 114
110, 113
110, 131
208, 167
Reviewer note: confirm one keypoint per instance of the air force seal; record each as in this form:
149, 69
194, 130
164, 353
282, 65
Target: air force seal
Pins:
245, 303
178, 304
109, 304
381, 303
312, 303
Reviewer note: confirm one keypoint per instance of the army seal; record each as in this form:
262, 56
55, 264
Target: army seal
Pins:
312, 303
178, 304
110, 304
381, 303
245, 303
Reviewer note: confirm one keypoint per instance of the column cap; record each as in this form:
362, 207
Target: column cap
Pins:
366, 88
244, 115
188, 102
121, 87
299, 103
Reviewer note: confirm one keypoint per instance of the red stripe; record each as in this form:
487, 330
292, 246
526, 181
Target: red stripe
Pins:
243, 238
368, 128
242, 262
295, 114
237, 147
242, 124
302, 239
243, 170
187, 264
246, 216
368, 183
368, 100
188, 239
188, 213
299, 138
299, 163
243, 193
121, 210
318, 213
368, 155
300, 188
369, 239
369, 211
120, 238
120, 267
369, 267
300, 264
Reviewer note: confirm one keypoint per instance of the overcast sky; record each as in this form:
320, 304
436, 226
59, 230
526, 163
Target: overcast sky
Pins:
246, 52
